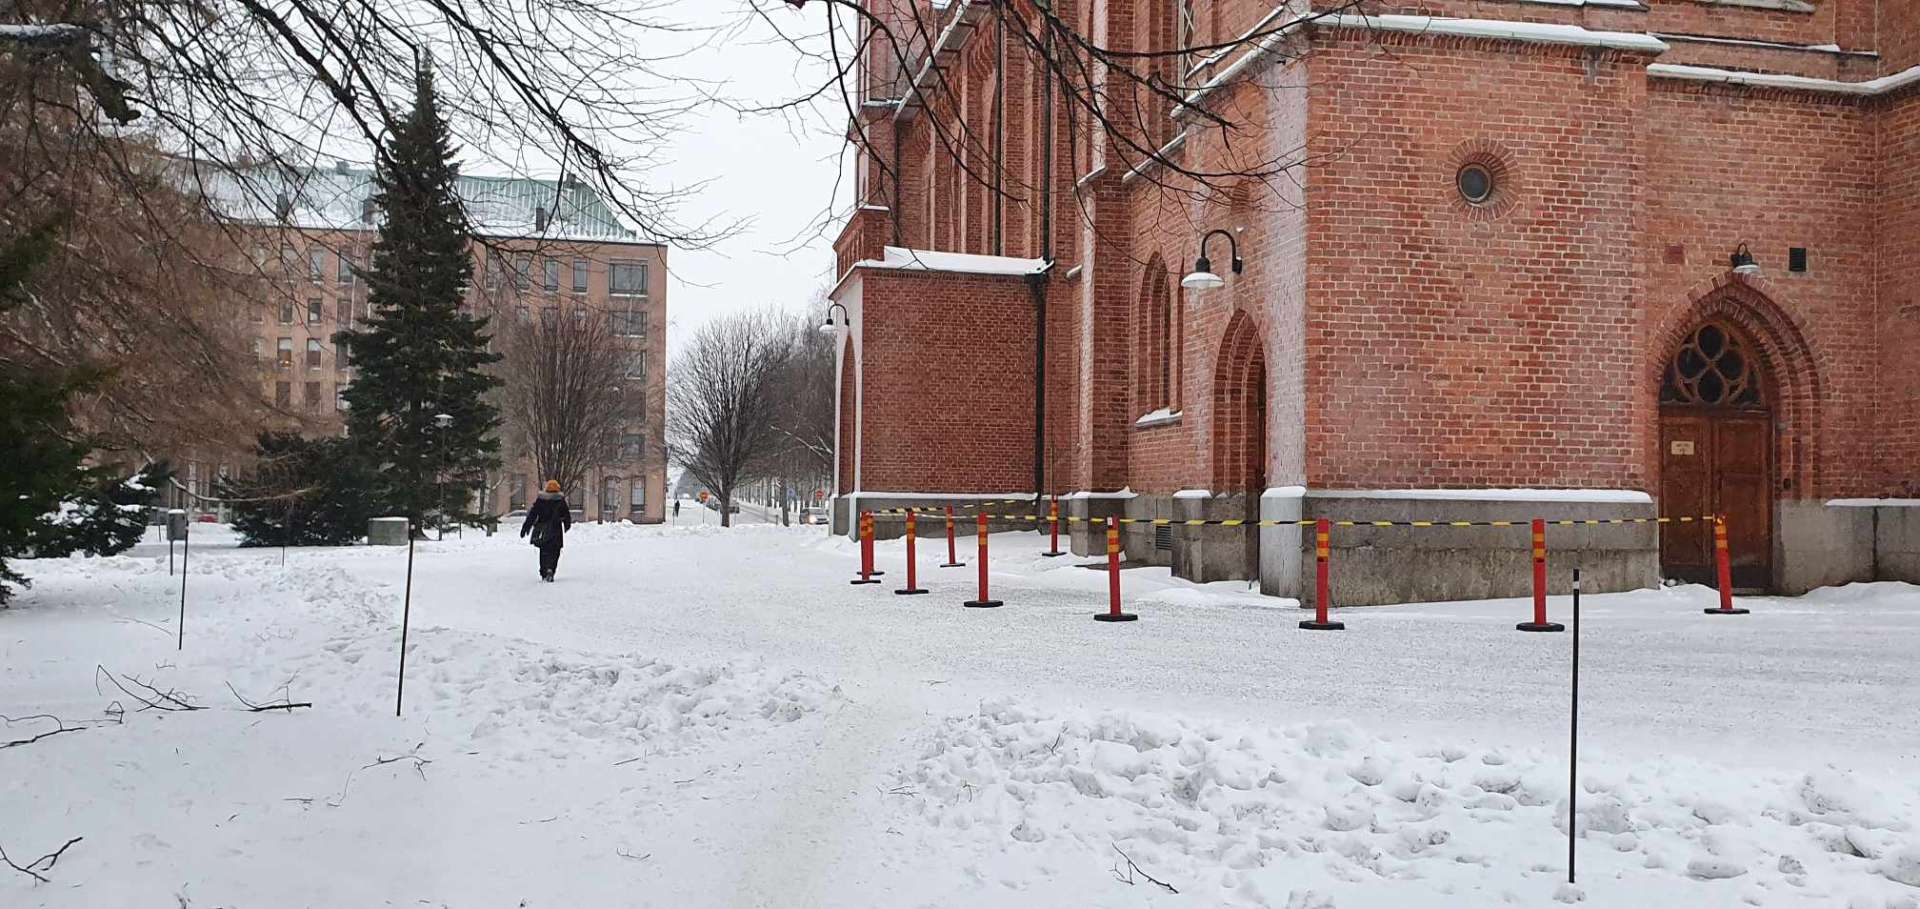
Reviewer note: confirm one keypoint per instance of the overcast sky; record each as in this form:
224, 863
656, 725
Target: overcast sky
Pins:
777, 172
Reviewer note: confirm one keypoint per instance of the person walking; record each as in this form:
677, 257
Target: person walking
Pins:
548, 521
676, 508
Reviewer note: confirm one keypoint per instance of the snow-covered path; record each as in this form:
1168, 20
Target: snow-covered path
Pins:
695, 716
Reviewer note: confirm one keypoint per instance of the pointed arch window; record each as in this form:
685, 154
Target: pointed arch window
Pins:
1713, 368
1156, 332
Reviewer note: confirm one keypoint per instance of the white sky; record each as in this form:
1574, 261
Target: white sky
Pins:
779, 173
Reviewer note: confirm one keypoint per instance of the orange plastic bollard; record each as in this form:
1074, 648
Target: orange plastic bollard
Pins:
1113, 613
1053, 518
913, 585
952, 560
1322, 550
1723, 569
984, 602
1540, 622
866, 551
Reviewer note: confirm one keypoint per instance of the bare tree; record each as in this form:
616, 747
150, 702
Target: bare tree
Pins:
725, 401
567, 398
806, 414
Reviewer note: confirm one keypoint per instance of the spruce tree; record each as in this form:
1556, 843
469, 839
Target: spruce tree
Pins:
418, 355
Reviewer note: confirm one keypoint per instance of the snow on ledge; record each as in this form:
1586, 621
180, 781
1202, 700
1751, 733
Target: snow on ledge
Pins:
1868, 88
1124, 493
1531, 32
1194, 494
1873, 503
1622, 496
1160, 417
938, 496
1284, 492
899, 257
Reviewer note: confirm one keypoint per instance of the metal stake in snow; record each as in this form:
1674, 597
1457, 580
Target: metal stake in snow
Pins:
952, 560
913, 582
1573, 735
186, 546
406, 612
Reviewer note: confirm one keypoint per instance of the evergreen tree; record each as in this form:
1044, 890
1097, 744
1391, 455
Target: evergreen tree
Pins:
301, 492
419, 356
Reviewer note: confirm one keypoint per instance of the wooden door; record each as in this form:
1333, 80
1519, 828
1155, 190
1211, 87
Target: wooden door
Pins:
1716, 457
1256, 470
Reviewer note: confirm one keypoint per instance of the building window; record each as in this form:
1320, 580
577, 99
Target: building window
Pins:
549, 316
313, 396
313, 310
627, 279
630, 323
525, 314
637, 367
522, 271
610, 496
550, 275
283, 394
340, 397
1475, 182
517, 492
313, 353
490, 267
316, 264
637, 500
284, 353
1713, 369
579, 318
257, 313
632, 446
345, 275
259, 349
286, 312
343, 312
289, 260
342, 355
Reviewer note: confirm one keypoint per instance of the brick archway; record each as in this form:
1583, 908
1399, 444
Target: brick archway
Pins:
1239, 402
1788, 364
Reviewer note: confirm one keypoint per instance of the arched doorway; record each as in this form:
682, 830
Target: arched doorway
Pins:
1240, 426
1716, 455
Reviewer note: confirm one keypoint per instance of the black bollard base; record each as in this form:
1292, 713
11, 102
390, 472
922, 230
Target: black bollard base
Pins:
1734, 611
1312, 625
1541, 626
981, 604
1052, 555
911, 591
863, 581
1115, 617
953, 564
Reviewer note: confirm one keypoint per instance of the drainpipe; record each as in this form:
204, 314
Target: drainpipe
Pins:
1038, 283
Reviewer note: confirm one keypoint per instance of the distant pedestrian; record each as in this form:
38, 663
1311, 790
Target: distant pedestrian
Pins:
548, 521
676, 508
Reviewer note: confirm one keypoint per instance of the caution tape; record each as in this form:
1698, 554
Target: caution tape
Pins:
1309, 522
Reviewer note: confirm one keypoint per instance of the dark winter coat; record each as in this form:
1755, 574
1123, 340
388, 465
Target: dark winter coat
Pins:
548, 520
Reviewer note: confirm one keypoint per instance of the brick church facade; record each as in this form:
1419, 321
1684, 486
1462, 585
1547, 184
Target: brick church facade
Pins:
1498, 285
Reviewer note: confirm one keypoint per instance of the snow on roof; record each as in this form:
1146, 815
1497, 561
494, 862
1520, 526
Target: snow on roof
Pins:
968, 263
1879, 86
1535, 32
340, 198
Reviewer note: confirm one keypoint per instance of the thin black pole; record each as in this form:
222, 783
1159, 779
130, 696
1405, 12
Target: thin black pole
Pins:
1573, 735
406, 611
186, 547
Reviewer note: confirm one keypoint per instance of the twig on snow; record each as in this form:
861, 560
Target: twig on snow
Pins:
419, 767
113, 717
625, 854
44, 863
169, 700
284, 704
1133, 869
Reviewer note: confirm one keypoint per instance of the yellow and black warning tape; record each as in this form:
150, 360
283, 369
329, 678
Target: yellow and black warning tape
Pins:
1309, 522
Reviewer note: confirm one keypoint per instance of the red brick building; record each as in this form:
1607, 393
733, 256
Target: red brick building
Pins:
1498, 284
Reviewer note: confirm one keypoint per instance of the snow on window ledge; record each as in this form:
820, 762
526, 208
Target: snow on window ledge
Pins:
1194, 494
1161, 417
1873, 503
1617, 496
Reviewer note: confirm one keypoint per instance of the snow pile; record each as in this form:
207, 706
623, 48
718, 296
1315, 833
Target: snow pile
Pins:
1323, 814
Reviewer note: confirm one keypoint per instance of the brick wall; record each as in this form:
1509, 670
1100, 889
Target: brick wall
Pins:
947, 382
1897, 226
1494, 347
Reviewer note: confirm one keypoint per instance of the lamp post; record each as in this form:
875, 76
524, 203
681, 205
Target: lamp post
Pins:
1203, 277
441, 421
1742, 262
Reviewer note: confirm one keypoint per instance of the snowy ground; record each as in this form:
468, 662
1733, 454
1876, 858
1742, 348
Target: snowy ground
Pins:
702, 717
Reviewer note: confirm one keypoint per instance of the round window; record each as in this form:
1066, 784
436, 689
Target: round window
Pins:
1475, 183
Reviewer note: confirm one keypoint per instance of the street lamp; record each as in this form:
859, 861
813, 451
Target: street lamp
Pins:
441, 421
830, 326
1202, 276
1743, 263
